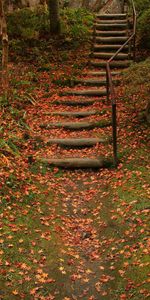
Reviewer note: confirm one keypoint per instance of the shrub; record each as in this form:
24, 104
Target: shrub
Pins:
27, 24
142, 5
76, 22
144, 29
143, 10
136, 80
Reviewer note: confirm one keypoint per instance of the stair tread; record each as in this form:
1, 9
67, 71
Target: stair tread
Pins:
114, 63
111, 15
117, 38
77, 125
109, 46
110, 54
111, 25
102, 21
99, 73
110, 32
76, 162
84, 113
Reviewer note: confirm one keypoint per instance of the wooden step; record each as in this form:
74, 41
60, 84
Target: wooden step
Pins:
111, 16
86, 92
77, 125
114, 64
79, 142
105, 55
100, 73
94, 82
110, 40
77, 114
110, 26
109, 47
77, 162
100, 21
110, 33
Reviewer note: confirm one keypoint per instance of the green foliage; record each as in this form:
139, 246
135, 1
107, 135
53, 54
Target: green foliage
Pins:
9, 146
136, 81
143, 9
137, 74
141, 5
27, 24
76, 22
144, 29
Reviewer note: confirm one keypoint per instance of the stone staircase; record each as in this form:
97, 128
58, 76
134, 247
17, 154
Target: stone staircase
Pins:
87, 143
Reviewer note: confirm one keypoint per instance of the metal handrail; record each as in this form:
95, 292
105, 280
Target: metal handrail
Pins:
110, 85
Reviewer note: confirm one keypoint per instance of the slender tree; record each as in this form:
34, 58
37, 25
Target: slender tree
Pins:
54, 17
85, 4
4, 38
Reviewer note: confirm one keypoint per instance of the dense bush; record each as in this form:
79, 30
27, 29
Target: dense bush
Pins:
143, 10
28, 24
76, 22
142, 5
136, 81
144, 29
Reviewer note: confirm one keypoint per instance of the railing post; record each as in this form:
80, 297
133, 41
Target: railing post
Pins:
107, 85
114, 129
134, 47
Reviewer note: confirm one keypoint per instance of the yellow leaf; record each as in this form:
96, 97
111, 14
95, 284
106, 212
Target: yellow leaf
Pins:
15, 292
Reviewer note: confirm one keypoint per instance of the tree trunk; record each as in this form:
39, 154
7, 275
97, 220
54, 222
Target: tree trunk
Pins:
54, 17
85, 4
97, 5
4, 37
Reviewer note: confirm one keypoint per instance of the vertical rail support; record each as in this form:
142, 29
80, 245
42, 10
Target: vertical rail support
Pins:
107, 87
114, 129
107, 82
134, 48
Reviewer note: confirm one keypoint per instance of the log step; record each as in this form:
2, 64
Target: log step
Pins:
111, 16
114, 64
111, 26
99, 73
77, 163
110, 40
89, 93
99, 21
77, 125
94, 82
108, 47
111, 33
77, 143
107, 55
86, 102
78, 114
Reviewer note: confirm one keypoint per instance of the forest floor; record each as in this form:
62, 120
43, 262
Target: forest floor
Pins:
70, 235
